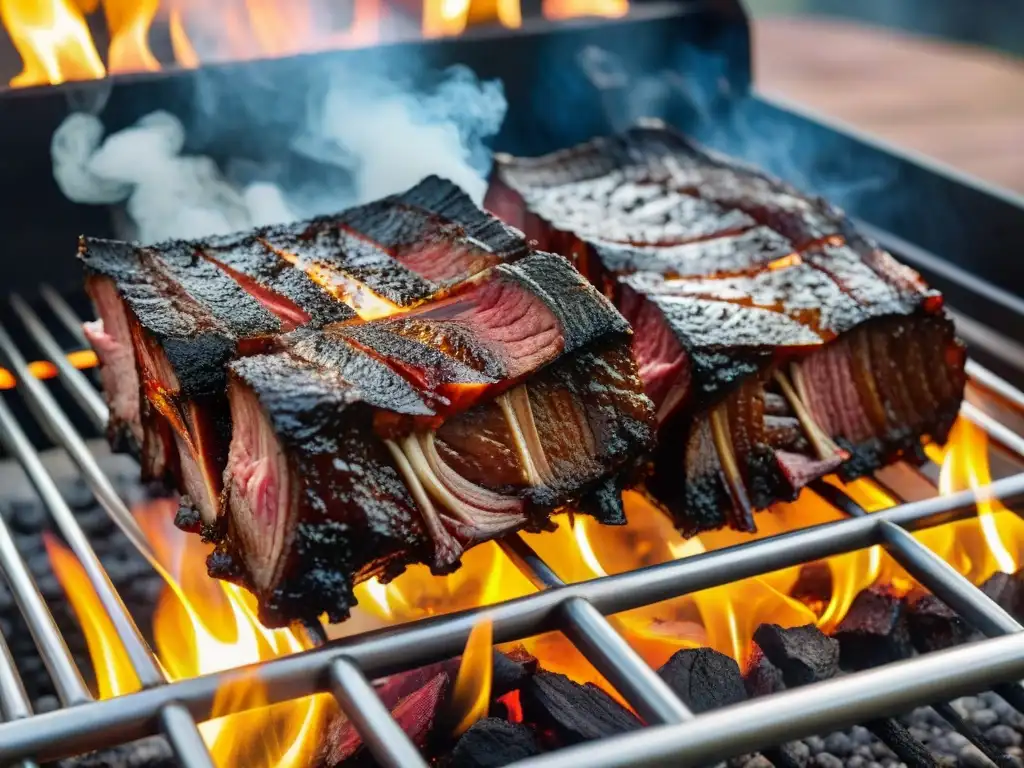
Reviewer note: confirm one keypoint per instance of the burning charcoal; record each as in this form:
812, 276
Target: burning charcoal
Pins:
874, 631
572, 713
153, 752
511, 670
492, 743
763, 677
934, 625
1007, 589
806, 655
416, 713
704, 679
802, 654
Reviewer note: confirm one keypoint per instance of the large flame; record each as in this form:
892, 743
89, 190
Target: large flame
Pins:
55, 41
204, 626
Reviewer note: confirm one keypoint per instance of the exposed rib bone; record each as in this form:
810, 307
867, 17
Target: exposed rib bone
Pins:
445, 544
472, 494
460, 510
823, 444
519, 399
727, 458
533, 476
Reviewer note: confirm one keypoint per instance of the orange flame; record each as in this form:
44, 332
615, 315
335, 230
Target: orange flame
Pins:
203, 626
994, 541
114, 673
471, 696
43, 369
53, 40
129, 22
55, 43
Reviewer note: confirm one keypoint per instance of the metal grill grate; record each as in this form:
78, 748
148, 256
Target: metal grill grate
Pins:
674, 735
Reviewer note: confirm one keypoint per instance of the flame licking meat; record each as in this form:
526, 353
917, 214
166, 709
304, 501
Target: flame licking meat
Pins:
496, 387
777, 344
203, 626
200, 627
55, 43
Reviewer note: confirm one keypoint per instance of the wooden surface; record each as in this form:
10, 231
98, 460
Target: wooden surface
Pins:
963, 106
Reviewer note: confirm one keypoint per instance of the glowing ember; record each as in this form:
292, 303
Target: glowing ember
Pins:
42, 369
54, 40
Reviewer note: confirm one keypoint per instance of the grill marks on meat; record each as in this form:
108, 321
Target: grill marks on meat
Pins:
776, 343
487, 429
173, 315
392, 254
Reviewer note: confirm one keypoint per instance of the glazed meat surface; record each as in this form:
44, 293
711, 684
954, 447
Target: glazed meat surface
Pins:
777, 343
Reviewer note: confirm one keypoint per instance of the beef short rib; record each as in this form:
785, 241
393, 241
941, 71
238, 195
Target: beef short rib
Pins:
343, 397
776, 342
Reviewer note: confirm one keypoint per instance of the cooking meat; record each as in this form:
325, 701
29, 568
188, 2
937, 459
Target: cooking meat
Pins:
360, 448
172, 315
340, 398
776, 342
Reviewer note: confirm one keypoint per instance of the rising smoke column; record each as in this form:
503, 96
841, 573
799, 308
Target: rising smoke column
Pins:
385, 136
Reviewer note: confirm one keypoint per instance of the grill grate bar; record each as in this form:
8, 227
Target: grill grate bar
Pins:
67, 680
987, 380
388, 743
86, 395
182, 734
14, 703
938, 576
603, 646
141, 657
63, 311
997, 431
49, 413
576, 609
380, 653
800, 712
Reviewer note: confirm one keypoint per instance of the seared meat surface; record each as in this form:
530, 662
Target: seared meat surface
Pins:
340, 398
412, 438
777, 344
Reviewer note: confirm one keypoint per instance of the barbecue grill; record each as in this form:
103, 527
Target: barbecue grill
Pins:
959, 253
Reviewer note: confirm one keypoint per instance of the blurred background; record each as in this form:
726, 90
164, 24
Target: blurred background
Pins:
944, 78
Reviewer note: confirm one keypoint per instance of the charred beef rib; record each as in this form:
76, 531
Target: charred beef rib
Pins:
776, 343
341, 398
173, 315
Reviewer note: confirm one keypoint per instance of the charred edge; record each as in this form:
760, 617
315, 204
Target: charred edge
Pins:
604, 502
187, 518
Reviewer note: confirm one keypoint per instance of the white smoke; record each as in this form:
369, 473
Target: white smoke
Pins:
385, 135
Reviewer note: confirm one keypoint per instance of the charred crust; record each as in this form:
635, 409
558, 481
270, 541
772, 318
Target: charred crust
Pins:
221, 564
214, 532
604, 503
187, 518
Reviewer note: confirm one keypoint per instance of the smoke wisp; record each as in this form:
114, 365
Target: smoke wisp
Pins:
380, 134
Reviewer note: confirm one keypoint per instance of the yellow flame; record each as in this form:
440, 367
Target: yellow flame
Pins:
471, 695
53, 40
114, 673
